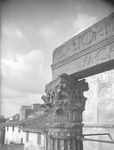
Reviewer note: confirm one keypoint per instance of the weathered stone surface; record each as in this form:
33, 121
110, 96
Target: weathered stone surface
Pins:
12, 147
100, 99
64, 100
64, 105
88, 145
84, 54
98, 116
88, 53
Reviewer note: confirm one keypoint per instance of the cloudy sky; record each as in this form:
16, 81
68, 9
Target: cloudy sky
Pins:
30, 31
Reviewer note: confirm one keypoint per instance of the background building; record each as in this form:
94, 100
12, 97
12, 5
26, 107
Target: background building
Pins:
29, 132
25, 111
2, 129
36, 107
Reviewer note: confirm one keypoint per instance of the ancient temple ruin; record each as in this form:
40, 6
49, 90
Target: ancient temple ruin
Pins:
88, 53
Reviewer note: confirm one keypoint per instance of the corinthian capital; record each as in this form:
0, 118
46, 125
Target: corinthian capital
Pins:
65, 96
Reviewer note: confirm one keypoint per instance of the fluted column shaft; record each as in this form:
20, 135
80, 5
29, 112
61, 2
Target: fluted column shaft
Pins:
64, 105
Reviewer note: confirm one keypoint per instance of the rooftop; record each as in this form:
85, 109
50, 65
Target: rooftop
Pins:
33, 124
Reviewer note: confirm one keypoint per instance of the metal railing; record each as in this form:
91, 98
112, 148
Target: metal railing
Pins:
82, 138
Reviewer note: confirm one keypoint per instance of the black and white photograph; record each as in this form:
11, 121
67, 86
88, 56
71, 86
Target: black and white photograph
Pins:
57, 75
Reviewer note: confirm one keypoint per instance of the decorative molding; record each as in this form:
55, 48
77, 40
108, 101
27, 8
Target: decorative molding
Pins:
64, 100
81, 55
98, 126
91, 36
86, 51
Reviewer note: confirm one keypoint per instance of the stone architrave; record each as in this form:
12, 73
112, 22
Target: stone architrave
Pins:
64, 105
88, 53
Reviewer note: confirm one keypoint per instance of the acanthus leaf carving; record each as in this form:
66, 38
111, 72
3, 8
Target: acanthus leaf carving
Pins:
65, 101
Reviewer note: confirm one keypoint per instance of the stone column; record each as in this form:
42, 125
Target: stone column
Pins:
64, 105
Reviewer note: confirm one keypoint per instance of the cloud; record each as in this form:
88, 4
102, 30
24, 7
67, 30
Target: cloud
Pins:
7, 93
23, 80
11, 30
28, 25
25, 73
84, 21
47, 32
13, 40
10, 105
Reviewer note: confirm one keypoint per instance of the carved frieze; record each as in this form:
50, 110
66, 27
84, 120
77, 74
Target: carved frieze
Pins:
87, 38
103, 54
66, 134
65, 101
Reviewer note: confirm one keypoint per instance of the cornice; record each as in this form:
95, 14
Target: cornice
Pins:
89, 40
85, 51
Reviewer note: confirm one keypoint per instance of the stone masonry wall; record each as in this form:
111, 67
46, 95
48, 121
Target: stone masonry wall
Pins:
12, 147
99, 109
